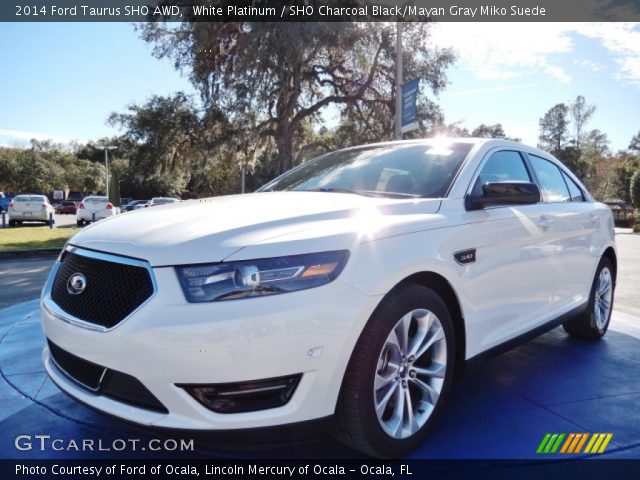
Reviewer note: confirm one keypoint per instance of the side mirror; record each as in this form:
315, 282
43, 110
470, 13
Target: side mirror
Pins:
503, 193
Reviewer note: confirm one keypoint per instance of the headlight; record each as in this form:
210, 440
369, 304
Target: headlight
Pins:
265, 276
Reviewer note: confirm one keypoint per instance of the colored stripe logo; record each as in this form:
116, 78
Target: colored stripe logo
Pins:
574, 443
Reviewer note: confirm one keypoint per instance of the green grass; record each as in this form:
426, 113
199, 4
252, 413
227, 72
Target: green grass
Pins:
31, 238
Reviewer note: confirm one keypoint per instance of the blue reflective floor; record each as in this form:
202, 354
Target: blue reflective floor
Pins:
503, 410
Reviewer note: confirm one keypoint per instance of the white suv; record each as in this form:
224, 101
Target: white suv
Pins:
94, 208
352, 286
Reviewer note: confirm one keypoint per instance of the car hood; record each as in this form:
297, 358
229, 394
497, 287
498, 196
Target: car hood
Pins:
214, 229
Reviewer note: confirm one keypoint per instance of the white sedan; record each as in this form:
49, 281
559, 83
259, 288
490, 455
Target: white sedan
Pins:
94, 208
353, 286
29, 208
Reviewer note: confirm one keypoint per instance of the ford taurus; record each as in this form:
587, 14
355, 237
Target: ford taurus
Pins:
353, 287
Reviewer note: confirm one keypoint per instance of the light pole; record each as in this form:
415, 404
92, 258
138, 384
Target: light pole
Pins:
106, 164
398, 129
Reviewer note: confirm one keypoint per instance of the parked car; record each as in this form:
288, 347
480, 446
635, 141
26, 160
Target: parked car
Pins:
75, 196
94, 208
354, 286
155, 201
4, 202
67, 208
125, 201
134, 205
29, 208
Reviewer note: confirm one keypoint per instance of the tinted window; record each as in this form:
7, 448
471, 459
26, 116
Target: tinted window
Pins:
505, 166
419, 170
574, 190
30, 198
553, 187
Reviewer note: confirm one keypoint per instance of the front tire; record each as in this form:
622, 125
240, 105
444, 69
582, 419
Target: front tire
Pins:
593, 323
399, 375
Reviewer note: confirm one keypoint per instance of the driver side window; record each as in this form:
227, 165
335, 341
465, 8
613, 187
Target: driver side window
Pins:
503, 166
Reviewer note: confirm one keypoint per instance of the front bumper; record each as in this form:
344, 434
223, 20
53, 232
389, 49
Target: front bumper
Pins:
169, 341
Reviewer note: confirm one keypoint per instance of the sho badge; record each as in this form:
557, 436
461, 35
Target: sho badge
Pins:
465, 257
76, 284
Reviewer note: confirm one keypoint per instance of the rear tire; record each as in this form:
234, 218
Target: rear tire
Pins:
79, 222
12, 223
593, 323
399, 374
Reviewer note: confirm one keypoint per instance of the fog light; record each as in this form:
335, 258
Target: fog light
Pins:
245, 396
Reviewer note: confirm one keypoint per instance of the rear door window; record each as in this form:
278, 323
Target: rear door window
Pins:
574, 191
554, 188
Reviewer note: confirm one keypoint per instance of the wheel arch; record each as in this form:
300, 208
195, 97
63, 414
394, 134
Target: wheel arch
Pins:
442, 287
611, 255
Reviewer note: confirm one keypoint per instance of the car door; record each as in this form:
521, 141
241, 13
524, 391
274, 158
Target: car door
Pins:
573, 225
508, 284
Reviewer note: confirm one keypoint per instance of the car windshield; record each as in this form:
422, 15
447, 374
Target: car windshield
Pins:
164, 200
392, 170
96, 199
29, 198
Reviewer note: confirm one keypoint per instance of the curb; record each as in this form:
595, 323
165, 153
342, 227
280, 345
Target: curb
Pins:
38, 253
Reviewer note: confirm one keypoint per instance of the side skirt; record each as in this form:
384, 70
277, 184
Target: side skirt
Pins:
472, 364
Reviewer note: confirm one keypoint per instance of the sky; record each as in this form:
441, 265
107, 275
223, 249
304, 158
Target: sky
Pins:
61, 81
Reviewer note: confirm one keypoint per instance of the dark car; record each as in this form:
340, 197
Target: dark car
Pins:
67, 208
76, 196
132, 205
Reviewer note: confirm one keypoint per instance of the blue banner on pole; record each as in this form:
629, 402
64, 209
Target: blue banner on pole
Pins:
409, 108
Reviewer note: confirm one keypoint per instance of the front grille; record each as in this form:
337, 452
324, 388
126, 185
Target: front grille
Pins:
82, 371
110, 383
113, 290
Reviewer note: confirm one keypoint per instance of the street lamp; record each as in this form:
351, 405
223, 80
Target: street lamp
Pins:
398, 120
106, 164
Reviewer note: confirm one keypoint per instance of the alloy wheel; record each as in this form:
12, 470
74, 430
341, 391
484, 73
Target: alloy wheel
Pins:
603, 296
410, 373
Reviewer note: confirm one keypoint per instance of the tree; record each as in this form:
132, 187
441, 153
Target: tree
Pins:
573, 159
581, 113
287, 73
634, 145
175, 142
554, 128
623, 171
489, 131
492, 131
635, 189
8, 170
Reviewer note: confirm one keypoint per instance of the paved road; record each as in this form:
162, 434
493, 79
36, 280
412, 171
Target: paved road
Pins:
22, 279
628, 288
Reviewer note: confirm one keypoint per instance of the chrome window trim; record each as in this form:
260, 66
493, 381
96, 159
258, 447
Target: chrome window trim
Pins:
52, 308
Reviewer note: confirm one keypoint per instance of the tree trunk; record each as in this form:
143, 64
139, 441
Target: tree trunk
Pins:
284, 142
